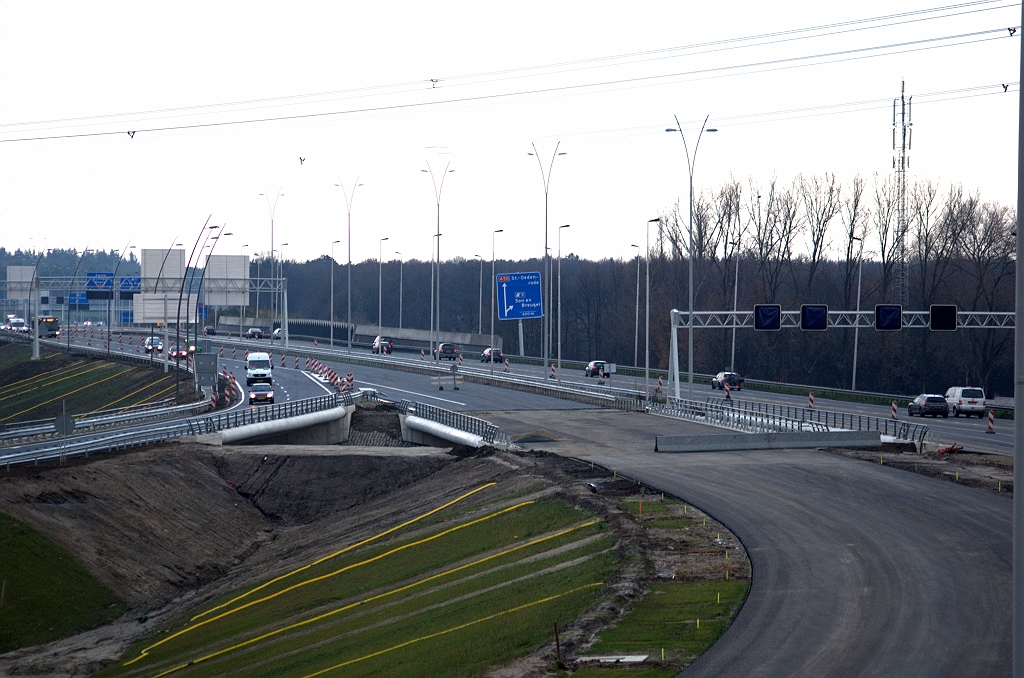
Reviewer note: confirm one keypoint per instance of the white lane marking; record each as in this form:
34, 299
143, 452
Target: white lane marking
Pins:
316, 381
392, 388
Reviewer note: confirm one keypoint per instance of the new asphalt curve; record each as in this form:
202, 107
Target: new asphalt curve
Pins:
858, 569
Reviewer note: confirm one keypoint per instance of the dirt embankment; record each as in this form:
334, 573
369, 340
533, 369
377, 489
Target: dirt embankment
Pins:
172, 527
990, 472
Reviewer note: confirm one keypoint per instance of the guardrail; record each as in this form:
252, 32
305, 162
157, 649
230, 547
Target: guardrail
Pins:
733, 418
456, 420
196, 426
852, 422
43, 429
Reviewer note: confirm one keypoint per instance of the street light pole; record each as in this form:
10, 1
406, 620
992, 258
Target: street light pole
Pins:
546, 322
74, 277
272, 209
245, 303
114, 291
856, 325
436, 279
493, 301
401, 265
349, 197
380, 288
330, 317
636, 317
34, 301
480, 314
279, 307
735, 296
690, 163
560, 303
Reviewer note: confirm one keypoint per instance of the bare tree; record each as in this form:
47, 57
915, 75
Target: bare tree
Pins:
771, 215
822, 202
937, 240
855, 215
887, 226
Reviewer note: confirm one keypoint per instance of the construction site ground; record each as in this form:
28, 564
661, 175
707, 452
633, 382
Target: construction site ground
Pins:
172, 527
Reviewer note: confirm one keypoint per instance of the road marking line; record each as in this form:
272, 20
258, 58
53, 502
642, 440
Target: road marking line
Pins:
316, 381
402, 390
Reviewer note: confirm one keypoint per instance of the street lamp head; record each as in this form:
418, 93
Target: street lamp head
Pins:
671, 129
636, 246
563, 153
711, 129
653, 221
335, 242
566, 226
383, 239
500, 230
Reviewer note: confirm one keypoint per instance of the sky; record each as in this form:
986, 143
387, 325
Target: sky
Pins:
139, 121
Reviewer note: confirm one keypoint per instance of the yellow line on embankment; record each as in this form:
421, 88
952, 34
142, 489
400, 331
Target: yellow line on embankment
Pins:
35, 387
65, 395
452, 629
371, 599
145, 651
158, 393
73, 366
144, 388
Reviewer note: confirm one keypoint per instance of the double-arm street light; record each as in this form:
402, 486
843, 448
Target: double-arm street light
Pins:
114, 292
349, 197
272, 209
34, 301
647, 299
735, 297
241, 309
380, 288
546, 278
493, 300
560, 303
330, 316
691, 161
74, 277
435, 279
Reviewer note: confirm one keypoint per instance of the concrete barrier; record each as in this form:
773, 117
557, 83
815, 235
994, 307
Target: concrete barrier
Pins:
327, 427
426, 432
728, 442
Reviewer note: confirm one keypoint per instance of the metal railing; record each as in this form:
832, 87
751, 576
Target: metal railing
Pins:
195, 426
456, 420
834, 420
748, 421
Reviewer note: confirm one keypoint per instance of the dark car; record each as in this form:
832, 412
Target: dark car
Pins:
176, 353
492, 354
595, 368
154, 344
254, 333
261, 393
383, 345
928, 404
734, 380
446, 351
209, 331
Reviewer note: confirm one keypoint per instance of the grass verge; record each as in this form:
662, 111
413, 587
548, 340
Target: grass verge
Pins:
46, 593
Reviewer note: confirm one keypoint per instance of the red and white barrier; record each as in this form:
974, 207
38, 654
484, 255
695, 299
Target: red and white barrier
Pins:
296, 362
894, 409
315, 344
246, 354
810, 400
506, 364
460, 360
553, 372
221, 353
307, 363
725, 386
991, 423
121, 347
660, 384
423, 355
350, 380
137, 350
282, 360
232, 353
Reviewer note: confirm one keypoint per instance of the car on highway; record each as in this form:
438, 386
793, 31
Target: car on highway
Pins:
595, 368
734, 380
382, 345
176, 353
19, 325
209, 331
492, 354
153, 344
254, 333
261, 393
966, 400
276, 335
446, 351
928, 404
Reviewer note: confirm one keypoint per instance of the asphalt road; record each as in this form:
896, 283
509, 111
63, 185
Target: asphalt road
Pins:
858, 569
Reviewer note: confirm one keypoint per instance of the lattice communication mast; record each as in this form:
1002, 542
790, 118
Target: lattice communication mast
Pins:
902, 135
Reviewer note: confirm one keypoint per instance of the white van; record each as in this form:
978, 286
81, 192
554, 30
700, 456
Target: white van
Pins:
966, 400
258, 369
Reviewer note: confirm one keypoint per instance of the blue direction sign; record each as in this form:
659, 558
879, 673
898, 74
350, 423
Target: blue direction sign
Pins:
131, 284
99, 281
78, 299
519, 296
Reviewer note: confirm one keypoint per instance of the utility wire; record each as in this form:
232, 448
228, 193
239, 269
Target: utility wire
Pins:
708, 73
740, 42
